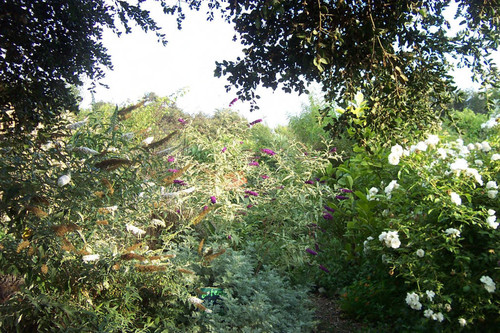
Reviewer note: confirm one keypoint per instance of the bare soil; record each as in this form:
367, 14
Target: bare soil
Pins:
331, 318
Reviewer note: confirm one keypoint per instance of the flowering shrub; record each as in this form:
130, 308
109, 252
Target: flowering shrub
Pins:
432, 205
115, 223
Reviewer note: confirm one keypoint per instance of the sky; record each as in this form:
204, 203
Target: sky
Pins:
185, 67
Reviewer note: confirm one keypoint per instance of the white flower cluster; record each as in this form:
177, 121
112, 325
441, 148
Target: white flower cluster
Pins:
488, 283
413, 300
492, 122
372, 193
389, 188
430, 294
148, 141
420, 253
452, 232
90, 257
64, 180
136, 231
158, 223
491, 219
390, 239
396, 153
455, 198
492, 189
461, 164
434, 316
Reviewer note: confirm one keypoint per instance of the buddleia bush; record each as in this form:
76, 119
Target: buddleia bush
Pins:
105, 221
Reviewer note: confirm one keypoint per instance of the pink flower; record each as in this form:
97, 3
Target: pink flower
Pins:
254, 122
268, 151
171, 159
182, 121
179, 182
224, 149
252, 193
213, 199
233, 101
314, 253
327, 216
324, 268
254, 163
264, 176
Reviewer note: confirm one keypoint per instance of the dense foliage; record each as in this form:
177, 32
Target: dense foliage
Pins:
118, 221
414, 240
394, 52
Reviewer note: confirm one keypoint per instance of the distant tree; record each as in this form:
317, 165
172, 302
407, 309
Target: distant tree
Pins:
477, 101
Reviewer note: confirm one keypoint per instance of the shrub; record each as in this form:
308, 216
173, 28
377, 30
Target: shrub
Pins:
420, 234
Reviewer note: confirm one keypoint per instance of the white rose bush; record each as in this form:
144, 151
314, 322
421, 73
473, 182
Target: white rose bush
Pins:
437, 262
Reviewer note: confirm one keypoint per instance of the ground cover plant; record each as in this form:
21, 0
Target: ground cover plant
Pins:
115, 221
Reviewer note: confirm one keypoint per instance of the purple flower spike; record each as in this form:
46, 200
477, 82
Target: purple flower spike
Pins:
330, 209
249, 206
229, 237
309, 182
316, 246
233, 101
254, 163
224, 149
341, 197
205, 207
333, 150
255, 194
328, 216
179, 182
268, 151
314, 253
255, 122
323, 268
345, 190
182, 121
213, 199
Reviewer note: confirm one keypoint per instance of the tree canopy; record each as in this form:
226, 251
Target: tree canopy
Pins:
395, 52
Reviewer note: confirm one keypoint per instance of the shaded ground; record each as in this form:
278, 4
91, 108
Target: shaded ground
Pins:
331, 318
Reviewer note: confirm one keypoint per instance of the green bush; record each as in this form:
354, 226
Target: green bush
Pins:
416, 242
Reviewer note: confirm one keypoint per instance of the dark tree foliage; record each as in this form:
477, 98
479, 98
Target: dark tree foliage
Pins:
48, 46
393, 51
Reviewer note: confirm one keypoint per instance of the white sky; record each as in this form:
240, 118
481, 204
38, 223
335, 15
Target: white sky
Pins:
143, 65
